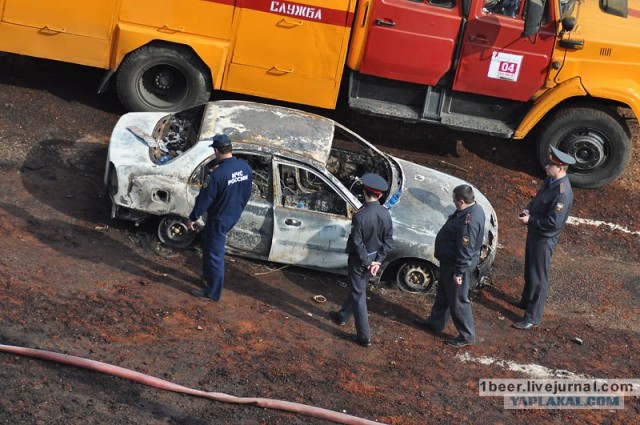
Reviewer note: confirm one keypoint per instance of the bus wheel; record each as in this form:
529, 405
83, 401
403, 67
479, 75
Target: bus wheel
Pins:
162, 78
599, 140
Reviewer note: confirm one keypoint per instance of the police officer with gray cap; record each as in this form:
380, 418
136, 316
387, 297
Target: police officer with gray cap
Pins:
368, 244
545, 216
223, 196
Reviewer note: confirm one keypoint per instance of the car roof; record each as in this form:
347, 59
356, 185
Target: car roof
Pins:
270, 128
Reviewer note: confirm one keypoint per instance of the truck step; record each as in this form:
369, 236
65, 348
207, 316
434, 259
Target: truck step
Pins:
383, 108
477, 124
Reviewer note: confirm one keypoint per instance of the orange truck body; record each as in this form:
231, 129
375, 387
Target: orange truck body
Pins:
561, 70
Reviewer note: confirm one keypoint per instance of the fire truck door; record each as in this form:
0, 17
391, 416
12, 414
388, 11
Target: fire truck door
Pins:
65, 30
411, 41
495, 59
290, 51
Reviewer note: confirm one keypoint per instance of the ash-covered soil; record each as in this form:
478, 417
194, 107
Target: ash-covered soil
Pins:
74, 281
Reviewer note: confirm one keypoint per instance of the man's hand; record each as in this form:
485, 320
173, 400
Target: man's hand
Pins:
374, 267
523, 217
457, 279
190, 225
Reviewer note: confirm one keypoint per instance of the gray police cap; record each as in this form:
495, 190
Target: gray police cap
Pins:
560, 158
374, 183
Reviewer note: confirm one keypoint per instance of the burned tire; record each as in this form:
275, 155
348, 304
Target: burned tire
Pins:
174, 233
415, 277
162, 78
597, 138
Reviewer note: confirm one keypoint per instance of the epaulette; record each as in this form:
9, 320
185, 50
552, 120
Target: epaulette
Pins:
468, 219
562, 187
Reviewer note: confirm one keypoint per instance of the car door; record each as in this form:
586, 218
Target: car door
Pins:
311, 219
253, 233
496, 60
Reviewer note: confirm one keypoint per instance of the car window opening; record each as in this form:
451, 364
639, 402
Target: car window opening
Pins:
304, 189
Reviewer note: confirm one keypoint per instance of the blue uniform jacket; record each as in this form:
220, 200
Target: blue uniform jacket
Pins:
459, 241
225, 192
550, 208
371, 235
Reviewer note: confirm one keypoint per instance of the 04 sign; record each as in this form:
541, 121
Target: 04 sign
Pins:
505, 66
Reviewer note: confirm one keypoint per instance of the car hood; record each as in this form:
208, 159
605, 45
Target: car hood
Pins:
426, 203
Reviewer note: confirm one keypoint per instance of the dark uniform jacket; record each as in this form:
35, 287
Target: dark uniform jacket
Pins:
225, 192
371, 233
550, 208
459, 240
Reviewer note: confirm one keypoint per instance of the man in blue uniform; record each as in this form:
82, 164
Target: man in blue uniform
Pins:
544, 217
368, 245
458, 245
224, 195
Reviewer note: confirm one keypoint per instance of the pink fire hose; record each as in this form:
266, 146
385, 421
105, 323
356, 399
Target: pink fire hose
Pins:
303, 409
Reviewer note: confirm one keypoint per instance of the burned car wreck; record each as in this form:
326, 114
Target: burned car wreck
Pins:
305, 187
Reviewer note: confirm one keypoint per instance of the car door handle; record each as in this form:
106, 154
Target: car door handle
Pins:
292, 222
385, 23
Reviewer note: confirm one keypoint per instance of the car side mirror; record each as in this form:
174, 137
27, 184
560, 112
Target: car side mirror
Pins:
534, 10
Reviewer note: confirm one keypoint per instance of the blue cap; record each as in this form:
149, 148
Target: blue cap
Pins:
558, 157
220, 141
374, 183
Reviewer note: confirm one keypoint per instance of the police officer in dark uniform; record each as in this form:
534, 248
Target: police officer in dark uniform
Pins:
458, 245
224, 195
544, 217
368, 244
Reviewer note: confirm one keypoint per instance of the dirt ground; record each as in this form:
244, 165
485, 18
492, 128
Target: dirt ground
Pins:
76, 282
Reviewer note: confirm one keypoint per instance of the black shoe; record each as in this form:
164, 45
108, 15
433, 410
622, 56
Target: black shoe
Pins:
201, 293
458, 342
364, 342
336, 318
519, 304
525, 326
425, 323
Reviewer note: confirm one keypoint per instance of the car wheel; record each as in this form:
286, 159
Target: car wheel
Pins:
162, 78
415, 276
599, 141
173, 232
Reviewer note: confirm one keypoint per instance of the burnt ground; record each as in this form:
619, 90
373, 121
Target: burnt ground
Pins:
74, 281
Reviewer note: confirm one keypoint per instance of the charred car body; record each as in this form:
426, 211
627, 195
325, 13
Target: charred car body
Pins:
305, 187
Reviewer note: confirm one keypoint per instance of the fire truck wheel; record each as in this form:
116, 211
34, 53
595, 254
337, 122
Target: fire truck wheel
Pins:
595, 136
162, 78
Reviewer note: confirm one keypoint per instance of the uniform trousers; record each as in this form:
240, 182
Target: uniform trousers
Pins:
214, 238
452, 300
356, 303
537, 257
